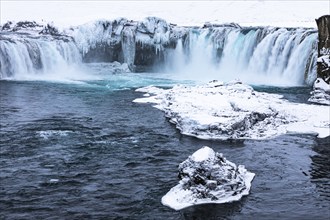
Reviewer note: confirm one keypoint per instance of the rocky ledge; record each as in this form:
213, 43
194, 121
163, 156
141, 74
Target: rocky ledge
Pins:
323, 68
321, 88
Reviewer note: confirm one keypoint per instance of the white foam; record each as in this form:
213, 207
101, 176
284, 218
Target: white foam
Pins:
49, 133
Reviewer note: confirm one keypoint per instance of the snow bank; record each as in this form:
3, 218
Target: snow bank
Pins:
207, 177
235, 111
320, 93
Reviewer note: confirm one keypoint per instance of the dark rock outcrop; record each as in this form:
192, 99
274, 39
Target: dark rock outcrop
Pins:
21, 26
323, 63
139, 44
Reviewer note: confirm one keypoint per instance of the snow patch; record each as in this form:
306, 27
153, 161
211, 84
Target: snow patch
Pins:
203, 154
320, 93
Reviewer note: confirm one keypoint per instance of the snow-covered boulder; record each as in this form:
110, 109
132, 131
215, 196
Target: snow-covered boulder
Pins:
207, 177
235, 111
320, 93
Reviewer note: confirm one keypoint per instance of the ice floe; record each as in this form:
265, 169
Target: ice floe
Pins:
235, 111
207, 177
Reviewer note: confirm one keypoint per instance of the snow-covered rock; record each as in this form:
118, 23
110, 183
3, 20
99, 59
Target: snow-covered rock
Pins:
100, 32
207, 177
320, 93
22, 26
323, 62
235, 111
33, 29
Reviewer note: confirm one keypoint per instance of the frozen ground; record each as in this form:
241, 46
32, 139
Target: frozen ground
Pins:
235, 111
66, 13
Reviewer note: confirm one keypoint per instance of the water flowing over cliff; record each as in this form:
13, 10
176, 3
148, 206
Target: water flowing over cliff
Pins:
28, 50
275, 55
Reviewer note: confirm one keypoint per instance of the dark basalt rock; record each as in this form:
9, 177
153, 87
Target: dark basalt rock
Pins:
22, 25
26, 25
323, 24
104, 53
51, 30
7, 26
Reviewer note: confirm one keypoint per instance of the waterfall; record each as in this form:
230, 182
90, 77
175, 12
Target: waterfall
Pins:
272, 56
256, 55
128, 45
29, 56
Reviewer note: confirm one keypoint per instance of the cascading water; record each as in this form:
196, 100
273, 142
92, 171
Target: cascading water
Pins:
20, 58
269, 56
257, 55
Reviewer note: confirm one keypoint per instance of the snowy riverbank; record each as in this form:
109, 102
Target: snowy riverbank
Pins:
235, 111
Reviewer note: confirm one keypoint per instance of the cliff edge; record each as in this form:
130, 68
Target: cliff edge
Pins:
323, 61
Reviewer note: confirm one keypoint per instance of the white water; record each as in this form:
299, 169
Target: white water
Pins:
259, 56
38, 59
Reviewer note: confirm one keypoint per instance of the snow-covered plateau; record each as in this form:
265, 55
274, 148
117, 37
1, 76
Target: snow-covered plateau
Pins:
207, 177
235, 111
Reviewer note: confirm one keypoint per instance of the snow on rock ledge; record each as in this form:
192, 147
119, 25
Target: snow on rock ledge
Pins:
320, 93
207, 177
235, 111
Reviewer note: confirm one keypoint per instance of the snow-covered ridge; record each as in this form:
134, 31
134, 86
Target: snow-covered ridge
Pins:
207, 177
235, 111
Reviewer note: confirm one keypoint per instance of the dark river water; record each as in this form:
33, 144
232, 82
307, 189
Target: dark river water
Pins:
76, 151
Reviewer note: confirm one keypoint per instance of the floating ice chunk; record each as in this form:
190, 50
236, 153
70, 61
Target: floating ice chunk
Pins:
207, 177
